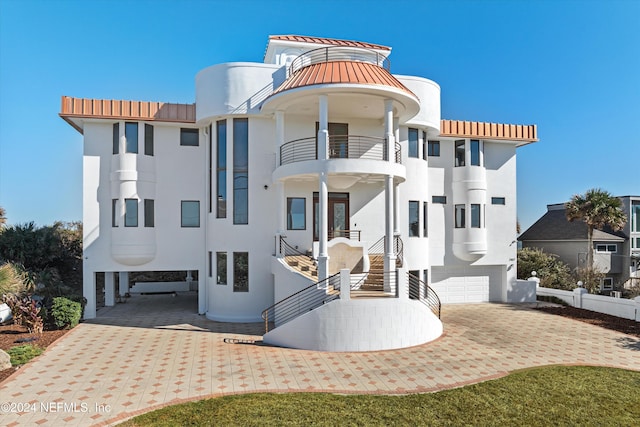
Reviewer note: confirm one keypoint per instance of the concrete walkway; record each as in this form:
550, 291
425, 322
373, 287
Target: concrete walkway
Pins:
153, 351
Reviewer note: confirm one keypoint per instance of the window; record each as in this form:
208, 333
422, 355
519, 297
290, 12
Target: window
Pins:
475, 216
413, 143
241, 272
131, 136
475, 152
221, 268
240, 171
498, 201
414, 285
635, 243
190, 213
148, 140
434, 148
424, 145
439, 199
149, 213
607, 283
130, 212
414, 219
114, 212
221, 168
635, 216
459, 216
459, 153
210, 263
425, 223
189, 137
607, 248
116, 138
296, 218
210, 167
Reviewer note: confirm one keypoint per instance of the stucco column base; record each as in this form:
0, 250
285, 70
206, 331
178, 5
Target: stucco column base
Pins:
323, 267
389, 267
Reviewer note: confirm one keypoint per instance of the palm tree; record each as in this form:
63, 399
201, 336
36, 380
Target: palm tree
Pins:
3, 218
597, 208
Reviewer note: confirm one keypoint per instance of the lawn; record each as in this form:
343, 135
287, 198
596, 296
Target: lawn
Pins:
555, 395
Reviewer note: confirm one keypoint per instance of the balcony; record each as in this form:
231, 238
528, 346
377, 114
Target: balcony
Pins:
338, 53
340, 147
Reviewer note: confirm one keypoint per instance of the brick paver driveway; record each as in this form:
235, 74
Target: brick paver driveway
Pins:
153, 352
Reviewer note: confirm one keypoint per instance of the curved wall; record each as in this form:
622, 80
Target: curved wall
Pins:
470, 187
428, 92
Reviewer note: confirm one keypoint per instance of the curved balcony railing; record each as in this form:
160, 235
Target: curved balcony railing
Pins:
340, 147
338, 53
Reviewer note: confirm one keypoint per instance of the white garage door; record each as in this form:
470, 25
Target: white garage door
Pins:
470, 284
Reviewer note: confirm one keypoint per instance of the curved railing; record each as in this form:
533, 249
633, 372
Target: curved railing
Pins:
428, 297
340, 147
378, 248
338, 53
302, 302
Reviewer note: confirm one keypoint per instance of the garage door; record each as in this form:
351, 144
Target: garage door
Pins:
466, 285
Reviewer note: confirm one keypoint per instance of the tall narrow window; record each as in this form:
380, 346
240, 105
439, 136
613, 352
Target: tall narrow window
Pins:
240, 171
296, 213
189, 137
413, 142
114, 212
459, 216
190, 213
148, 140
241, 272
221, 169
116, 138
459, 153
131, 135
130, 212
414, 218
221, 268
475, 216
434, 148
149, 213
635, 216
475, 152
210, 264
210, 174
424, 145
425, 222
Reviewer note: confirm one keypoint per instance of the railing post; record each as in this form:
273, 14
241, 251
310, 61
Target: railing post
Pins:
345, 284
402, 283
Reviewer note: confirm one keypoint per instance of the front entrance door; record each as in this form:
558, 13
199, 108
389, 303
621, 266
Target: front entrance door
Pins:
338, 211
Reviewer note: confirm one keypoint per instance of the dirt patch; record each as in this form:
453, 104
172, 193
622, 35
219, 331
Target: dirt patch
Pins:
13, 335
607, 321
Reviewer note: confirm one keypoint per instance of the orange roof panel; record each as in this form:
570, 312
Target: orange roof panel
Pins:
329, 42
465, 129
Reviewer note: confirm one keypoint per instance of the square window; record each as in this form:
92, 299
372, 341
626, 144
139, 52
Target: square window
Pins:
498, 201
221, 268
439, 199
148, 140
612, 248
459, 153
434, 148
149, 213
189, 137
241, 272
296, 213
607, 283
130, 212
459, 216
190, 213
131, 135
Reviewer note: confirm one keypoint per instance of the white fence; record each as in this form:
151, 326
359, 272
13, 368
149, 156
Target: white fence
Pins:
619, 307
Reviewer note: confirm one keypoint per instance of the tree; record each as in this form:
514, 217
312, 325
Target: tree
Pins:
597, 209
552, 272
3, 218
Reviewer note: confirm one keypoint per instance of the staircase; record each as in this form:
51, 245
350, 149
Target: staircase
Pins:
303, 264
375, 277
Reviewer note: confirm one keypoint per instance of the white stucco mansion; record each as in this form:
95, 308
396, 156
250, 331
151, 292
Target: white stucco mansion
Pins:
316, 167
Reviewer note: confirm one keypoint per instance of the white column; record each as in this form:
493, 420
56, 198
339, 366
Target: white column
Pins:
123, 280
396, 209
89, 291
280, 200
323, 228
388, 129
345, 284
202, 292
389, 221
279, 134
109, 289
323, 127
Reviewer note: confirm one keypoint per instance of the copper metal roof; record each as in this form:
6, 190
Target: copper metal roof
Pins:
127, 110
329, 42
459, 128
342, 72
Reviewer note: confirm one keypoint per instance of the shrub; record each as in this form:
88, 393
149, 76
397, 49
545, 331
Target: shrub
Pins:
553, 273
21, 354
26, 312
11, 279
65, 313
591, 279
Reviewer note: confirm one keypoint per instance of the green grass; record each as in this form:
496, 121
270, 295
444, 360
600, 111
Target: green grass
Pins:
21, 354
555, 395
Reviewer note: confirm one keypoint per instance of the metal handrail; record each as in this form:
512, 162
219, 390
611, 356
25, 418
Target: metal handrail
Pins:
287, 250
340, 147
428, 297
298, 150
338, 53
303, 301
349, 234
379, 247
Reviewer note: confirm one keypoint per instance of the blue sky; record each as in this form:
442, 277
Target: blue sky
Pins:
571, 67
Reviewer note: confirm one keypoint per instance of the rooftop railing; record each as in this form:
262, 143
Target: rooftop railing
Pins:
338, 53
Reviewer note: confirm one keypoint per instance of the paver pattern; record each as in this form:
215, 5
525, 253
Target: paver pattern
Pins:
154, 351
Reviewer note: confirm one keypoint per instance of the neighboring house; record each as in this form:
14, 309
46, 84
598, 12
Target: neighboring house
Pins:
616, 253
318, 151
